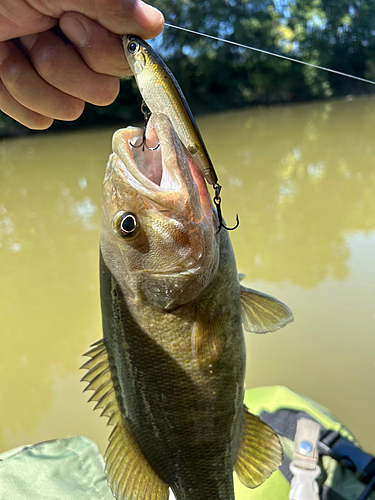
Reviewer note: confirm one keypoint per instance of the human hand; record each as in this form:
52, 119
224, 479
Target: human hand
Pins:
42, 77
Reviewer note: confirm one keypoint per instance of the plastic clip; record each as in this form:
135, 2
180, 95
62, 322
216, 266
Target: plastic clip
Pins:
304, 466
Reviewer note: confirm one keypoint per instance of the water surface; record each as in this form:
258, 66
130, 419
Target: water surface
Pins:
301, 178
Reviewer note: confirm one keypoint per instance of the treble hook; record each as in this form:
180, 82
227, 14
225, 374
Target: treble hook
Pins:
217, 201
147, 115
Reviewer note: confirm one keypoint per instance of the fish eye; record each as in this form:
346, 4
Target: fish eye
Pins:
133, 47
126, 224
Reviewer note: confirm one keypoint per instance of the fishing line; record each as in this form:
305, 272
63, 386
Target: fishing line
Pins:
271, 54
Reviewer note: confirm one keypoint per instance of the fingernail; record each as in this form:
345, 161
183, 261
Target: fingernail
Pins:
28, 41
147, 17
4, 51
75, 30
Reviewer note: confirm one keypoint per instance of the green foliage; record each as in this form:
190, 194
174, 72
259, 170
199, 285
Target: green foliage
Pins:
331, 33
216, 76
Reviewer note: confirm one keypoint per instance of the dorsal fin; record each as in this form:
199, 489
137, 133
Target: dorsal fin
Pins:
262, 313
129, 474
260, 452
207, 338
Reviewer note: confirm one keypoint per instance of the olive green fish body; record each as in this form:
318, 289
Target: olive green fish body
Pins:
162, 94
187, 420
169, 373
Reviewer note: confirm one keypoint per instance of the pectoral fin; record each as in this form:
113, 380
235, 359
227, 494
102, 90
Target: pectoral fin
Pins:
129, 474
207, 339
262, 313
260, 452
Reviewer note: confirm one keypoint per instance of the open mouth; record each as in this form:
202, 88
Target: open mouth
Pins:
166, 175
147, 155
155, 159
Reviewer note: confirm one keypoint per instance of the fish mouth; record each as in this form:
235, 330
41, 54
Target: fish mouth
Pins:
158, 166
176, 250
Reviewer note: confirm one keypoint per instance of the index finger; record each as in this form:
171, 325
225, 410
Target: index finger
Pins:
101, 49
118, 16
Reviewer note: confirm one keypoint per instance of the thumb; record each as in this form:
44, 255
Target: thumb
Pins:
120, 16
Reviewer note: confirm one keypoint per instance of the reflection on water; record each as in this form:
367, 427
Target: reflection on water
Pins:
49, 221
302, 179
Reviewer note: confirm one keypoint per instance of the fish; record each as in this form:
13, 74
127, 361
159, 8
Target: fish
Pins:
169, 371
162, 94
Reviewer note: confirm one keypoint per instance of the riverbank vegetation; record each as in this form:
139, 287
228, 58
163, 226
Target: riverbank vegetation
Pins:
216, 76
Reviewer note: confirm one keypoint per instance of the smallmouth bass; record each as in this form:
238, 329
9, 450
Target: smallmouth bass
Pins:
162, 94
169, 372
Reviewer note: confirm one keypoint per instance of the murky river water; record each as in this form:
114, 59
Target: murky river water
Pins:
302, 179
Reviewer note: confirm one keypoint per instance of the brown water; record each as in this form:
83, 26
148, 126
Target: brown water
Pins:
302, 179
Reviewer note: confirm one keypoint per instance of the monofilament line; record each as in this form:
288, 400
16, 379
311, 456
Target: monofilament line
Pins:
272, 54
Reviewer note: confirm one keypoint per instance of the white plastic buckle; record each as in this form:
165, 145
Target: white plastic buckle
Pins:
304, 465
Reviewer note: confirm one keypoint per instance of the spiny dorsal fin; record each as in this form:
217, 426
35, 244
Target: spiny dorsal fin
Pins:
262, 313
260, 452
129, 474
207, 338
